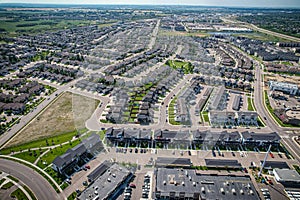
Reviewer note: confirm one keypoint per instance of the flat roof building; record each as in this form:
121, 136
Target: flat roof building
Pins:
187, 184
108, 184
173, 162
275, 164
236, 102
287, 176
284, 87
222, 163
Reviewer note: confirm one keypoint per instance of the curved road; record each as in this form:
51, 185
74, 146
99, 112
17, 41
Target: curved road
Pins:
39, 186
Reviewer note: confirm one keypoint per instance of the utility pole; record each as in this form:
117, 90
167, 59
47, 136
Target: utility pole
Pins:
263, 165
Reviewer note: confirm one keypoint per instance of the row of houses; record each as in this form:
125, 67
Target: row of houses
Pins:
218, 99
222, 118
16, 103
265, 51
77, 156
281, 68
51, 72
187, 139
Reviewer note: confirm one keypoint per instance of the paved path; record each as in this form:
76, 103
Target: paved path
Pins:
4, 175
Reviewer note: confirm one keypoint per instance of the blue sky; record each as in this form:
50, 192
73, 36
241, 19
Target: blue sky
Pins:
240, 3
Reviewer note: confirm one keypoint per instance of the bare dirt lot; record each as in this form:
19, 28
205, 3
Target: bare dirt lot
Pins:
67, 113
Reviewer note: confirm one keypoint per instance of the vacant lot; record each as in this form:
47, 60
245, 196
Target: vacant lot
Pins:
67, 114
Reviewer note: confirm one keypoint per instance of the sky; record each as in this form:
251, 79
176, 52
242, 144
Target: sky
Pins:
235, 3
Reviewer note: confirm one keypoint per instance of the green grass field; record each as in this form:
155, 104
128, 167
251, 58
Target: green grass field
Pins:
171, 112
18, 194
250, 104
262, 36
7, 185
38, 26
53, 153
41, 143
187, 67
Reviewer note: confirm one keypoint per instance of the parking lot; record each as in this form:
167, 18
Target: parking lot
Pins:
144, 158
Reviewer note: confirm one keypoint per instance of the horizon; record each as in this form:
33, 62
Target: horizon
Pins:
205, 3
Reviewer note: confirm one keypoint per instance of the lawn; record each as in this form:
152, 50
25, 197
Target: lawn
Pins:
72, 196
250, 104
183, 33
187, 67
41, 143
2, 181
54, 175
67, 113
262, 36
18, 194
205, 117
7, 185
57, 151
39, 26
64, 185
171, 112
29, 156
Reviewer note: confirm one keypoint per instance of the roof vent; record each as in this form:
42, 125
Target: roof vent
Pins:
233, 191
222, 190
194, 183
190, 178
251, 192
202, 189
182, 183
241, 191
165, 182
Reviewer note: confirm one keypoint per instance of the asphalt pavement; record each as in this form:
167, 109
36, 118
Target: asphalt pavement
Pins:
39, 186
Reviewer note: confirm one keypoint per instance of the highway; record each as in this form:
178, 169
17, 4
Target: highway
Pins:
253, 27
39, 186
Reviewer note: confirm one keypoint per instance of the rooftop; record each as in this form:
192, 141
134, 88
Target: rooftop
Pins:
173, 162
186, 183
104, 186
287, 175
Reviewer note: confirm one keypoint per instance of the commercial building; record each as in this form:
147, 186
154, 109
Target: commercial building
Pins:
275, 165
108, 184
288, 177
173, 162
188, 184
283, 87
217, 163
